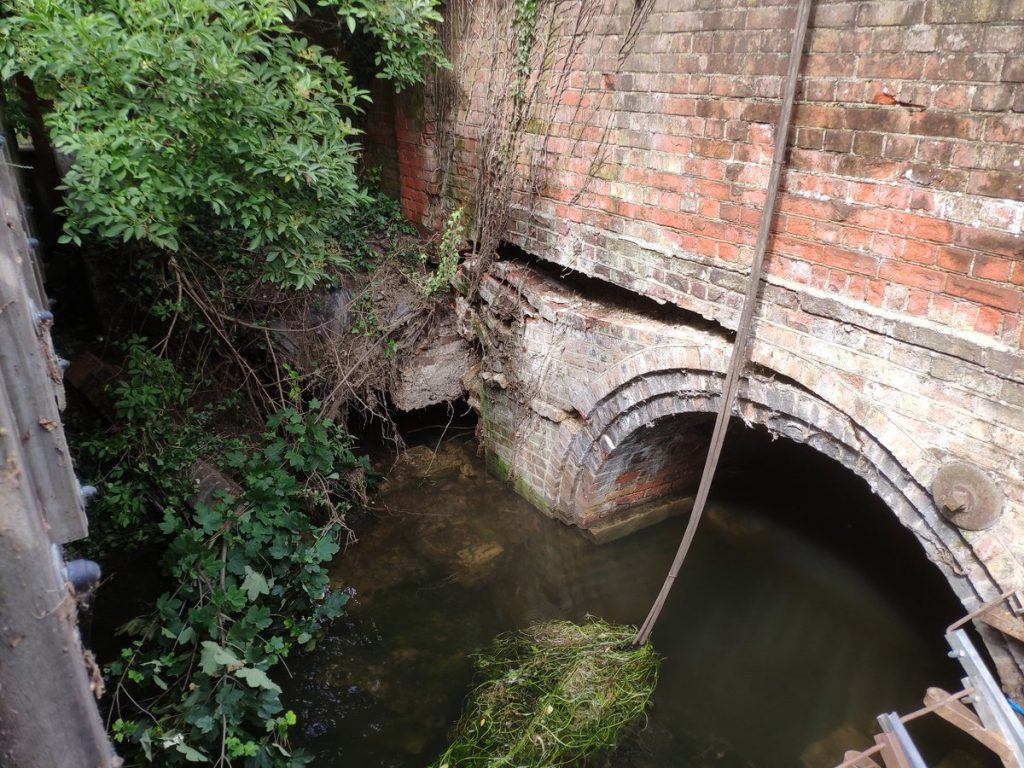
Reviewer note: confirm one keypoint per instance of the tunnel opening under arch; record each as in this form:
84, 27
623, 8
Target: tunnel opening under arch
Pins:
791, 485
806, 557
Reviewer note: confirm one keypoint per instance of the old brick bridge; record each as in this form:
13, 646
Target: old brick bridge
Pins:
889, 332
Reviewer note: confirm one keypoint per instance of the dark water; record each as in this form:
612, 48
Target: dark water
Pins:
780, 649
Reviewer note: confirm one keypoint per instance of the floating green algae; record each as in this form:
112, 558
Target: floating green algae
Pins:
552, 695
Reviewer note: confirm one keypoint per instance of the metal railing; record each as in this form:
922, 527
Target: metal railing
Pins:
993, 723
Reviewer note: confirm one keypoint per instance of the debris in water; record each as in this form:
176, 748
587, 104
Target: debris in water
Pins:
552, 695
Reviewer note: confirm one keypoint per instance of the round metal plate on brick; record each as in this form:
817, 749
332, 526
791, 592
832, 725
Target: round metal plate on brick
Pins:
967, 496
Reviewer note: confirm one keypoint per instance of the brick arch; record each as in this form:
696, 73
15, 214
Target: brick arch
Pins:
805, 373
659, 384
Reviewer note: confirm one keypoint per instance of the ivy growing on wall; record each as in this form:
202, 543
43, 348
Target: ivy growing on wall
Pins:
523, 25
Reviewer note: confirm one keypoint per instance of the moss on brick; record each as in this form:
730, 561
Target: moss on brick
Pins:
537, 126
531, 494
608, 172
496, 465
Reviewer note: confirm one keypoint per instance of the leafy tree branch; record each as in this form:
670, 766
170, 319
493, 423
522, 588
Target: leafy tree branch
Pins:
210, 118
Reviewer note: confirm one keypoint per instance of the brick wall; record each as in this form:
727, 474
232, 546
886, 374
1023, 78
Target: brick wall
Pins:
663, 461
889, 333
380, 140
904, 186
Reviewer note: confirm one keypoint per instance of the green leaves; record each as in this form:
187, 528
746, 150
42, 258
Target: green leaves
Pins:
216, 659
255, 584
186, 636
177, 743
247, 570
257, 679
407, 42
191, 119
453, 237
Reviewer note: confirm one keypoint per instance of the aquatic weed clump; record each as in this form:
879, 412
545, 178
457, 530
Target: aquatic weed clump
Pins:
552, 695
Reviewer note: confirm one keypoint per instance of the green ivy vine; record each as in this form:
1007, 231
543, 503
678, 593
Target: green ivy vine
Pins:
524, 26
248, 582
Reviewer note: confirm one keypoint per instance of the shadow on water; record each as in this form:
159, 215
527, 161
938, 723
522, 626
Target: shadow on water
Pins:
803, 611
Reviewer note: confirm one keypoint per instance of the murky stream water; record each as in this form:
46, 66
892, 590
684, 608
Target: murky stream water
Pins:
778, 651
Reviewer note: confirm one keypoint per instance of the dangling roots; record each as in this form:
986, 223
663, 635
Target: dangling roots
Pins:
552, 695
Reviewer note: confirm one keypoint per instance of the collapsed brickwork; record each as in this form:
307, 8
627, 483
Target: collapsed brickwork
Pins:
890, 333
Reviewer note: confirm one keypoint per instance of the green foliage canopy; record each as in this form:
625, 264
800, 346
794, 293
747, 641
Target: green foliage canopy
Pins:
210, 116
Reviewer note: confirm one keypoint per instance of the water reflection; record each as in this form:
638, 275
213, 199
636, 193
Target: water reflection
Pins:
777, 651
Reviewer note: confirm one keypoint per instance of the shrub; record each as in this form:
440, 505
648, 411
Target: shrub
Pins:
210, 118
247, 571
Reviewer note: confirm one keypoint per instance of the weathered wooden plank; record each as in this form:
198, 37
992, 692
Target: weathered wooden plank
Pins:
48, 714
30, 376
892, 753
1005, 622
